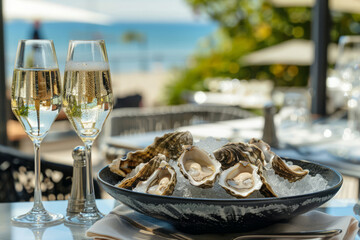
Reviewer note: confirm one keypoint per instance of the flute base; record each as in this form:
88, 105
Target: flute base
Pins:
38, 219
83, 218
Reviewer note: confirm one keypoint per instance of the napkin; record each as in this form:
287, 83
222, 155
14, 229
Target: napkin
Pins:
113, 227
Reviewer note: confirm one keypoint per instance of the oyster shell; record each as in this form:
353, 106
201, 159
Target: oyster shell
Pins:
266, 188
198, 166
169, 144
241, 180
264, 147
292, 173
155, 177
232, 153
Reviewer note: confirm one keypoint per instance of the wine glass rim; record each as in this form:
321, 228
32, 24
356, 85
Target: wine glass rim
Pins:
87, 41
36, 40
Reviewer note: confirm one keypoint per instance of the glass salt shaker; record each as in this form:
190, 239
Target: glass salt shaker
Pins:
78, 202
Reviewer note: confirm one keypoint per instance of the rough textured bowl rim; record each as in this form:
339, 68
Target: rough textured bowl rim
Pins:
229, 201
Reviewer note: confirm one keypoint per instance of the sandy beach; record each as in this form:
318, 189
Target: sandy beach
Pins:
151, 85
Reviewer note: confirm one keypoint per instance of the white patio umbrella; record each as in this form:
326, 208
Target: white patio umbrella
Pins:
291, 52
49, 11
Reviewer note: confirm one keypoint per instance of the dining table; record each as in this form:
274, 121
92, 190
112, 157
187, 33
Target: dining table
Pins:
8, 231
319, 143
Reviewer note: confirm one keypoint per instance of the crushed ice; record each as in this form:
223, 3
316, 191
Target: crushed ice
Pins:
281, 186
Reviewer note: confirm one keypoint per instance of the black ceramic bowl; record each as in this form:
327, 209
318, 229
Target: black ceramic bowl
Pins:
227, 215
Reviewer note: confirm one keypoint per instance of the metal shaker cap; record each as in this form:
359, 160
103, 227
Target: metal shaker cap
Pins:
269, 131
79, 155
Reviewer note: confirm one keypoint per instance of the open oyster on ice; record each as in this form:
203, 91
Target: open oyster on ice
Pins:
154, 177
232, 153
198, 166
169, 145
241, 180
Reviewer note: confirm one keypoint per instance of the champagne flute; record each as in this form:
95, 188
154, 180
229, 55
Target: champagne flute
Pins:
87, 101
36, 102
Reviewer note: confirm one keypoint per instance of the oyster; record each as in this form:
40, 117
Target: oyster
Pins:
155, 177
170, 145
198, 166
264, 147
232, 153
241, 180
292, 173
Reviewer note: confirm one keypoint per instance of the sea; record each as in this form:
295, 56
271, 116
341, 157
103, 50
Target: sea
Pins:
166, 45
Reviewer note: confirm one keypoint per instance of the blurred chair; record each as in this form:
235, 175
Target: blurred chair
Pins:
128, 101
141, 120
17, 176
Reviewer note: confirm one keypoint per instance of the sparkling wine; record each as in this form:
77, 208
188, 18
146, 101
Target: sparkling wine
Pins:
87, 97
36, 99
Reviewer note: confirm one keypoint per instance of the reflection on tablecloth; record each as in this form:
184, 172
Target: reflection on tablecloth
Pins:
113, 227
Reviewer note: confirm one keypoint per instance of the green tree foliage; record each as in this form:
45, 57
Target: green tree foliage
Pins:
246, 26
132, 36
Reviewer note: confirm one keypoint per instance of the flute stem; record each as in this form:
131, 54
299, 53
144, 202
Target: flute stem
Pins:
38, 206
89, 178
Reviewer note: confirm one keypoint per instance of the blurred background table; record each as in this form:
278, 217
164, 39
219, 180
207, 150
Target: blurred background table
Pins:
319, 142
